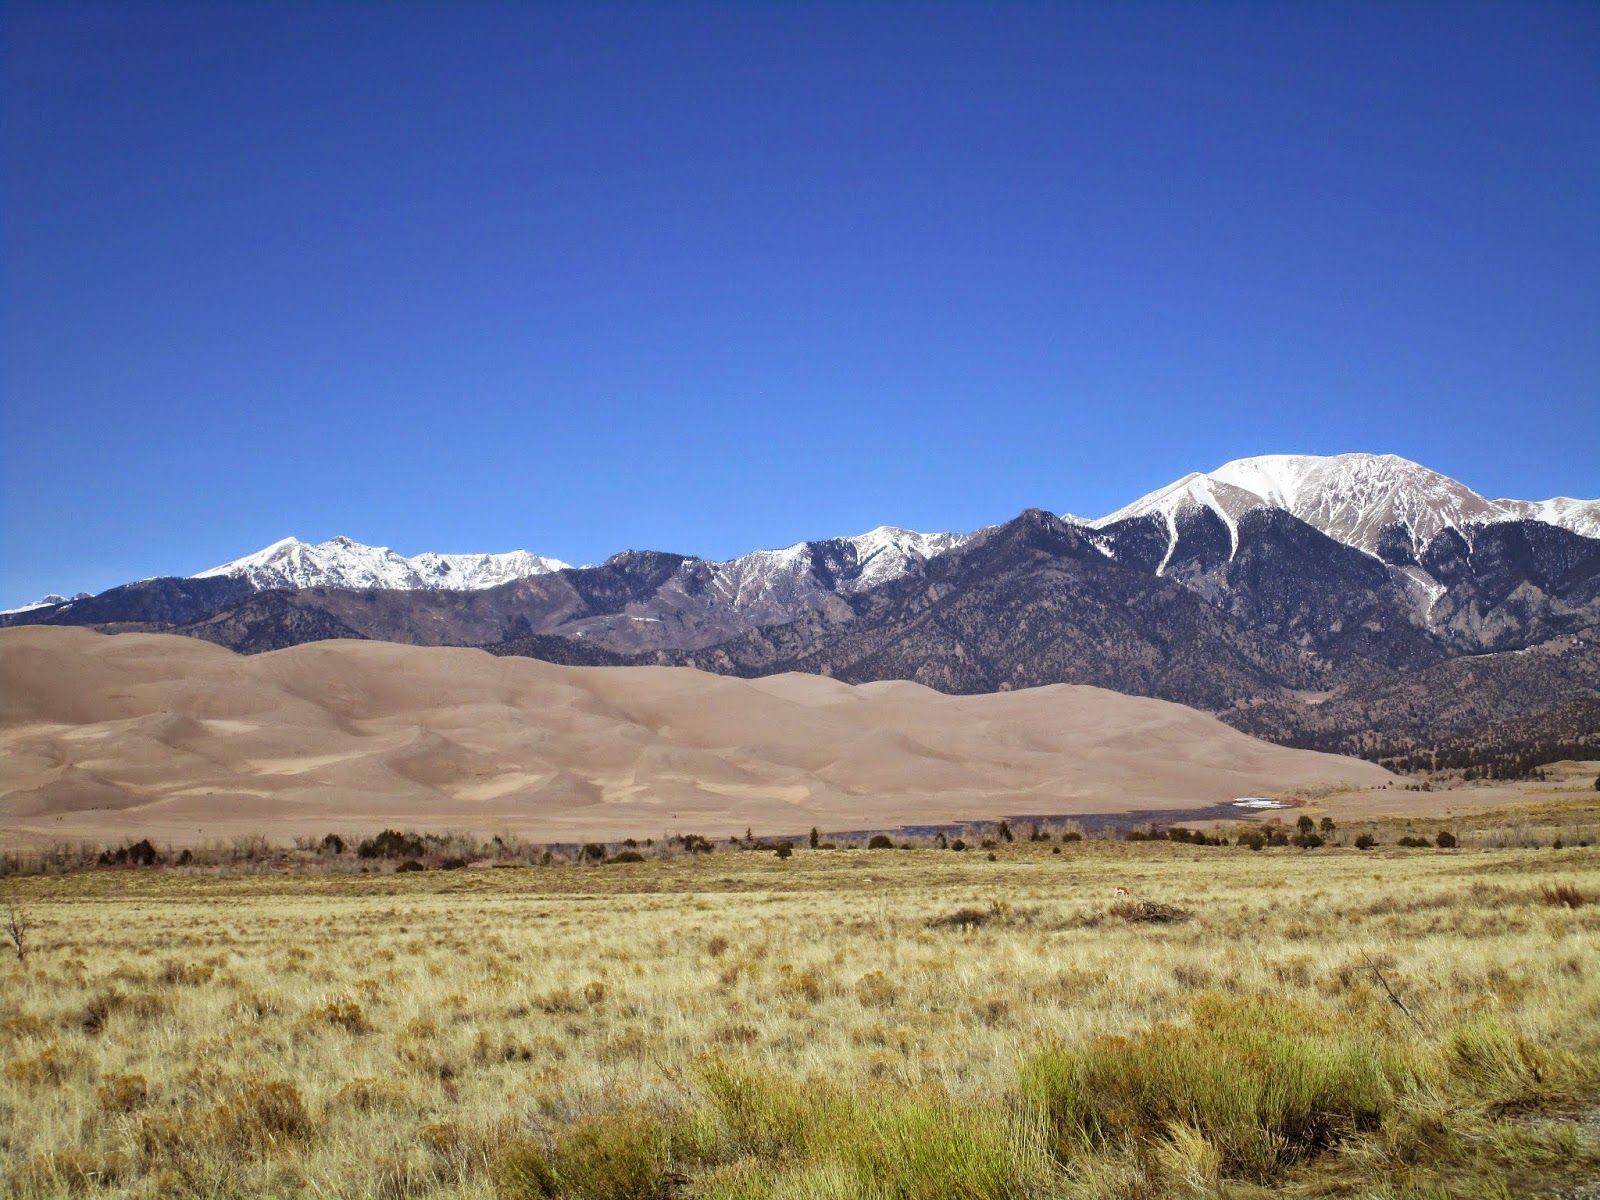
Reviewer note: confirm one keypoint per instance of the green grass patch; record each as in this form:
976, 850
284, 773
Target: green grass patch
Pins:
810, 1138
625, 1155
1262, 1084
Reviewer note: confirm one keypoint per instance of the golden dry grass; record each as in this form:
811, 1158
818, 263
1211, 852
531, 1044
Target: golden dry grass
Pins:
733, 1025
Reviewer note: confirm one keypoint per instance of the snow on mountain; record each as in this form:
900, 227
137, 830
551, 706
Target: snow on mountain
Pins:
1191, 493
49, 601
1355, 498
1580, 516
841, 564
474, 572
851, 564
886, 553
344, 563
1352, 498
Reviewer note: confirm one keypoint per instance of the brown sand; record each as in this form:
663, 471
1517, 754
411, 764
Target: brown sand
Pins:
133, 735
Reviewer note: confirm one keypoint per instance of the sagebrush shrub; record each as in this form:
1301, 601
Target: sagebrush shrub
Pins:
52, 1065
877, 990
99, 1009
175, 973
367, 1094
1153, 912
962, 918
345, 1014
260, 1115
26, 1025
123, 1093
1563, 895
69, 1172
391, 843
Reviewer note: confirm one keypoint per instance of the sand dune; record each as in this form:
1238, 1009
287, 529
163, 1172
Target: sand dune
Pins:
151, 735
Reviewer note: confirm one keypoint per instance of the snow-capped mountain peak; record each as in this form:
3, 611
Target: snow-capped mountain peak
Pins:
888, 552
342, 562
1353, 498
49, 601
852, 564
1580, 516
1192, 493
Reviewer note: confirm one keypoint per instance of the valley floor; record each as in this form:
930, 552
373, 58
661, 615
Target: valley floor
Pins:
920, 1024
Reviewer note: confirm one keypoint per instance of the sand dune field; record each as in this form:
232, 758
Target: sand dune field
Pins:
133, 735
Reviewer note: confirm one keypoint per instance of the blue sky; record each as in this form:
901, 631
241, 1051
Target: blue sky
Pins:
706, 278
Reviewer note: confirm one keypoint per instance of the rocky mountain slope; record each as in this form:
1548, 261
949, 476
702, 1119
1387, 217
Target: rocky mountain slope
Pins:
1029, 602
1494, 714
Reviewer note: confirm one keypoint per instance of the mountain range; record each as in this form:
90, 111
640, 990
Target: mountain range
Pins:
1356, 602
341, 562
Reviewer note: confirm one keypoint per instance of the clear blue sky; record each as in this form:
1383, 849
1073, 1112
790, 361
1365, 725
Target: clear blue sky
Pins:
706, 278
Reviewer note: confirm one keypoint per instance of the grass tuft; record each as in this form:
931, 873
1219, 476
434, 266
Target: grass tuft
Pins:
625, 1155
261, 1115
1262, 1083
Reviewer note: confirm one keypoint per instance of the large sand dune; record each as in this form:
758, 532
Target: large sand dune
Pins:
104, 737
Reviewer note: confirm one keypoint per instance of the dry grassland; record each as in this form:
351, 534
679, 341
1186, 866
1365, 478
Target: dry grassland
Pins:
899, 1024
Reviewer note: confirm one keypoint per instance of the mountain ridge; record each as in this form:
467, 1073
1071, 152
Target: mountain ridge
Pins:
1364, 500
344, 562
